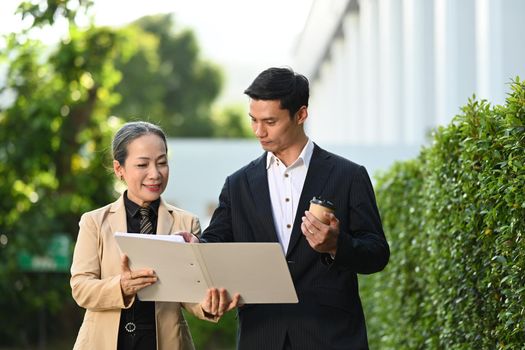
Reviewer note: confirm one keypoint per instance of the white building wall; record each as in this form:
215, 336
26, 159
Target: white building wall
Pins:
369, 50
322, 110
324, 20
409, 64
512, 56
455, 56
353, 77
500, 46
390, 108
417, 70
339, 116
489, 46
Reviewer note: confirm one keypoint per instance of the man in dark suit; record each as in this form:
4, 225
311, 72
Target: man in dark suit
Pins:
268, 200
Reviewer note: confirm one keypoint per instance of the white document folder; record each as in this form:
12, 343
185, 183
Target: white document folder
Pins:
185, 271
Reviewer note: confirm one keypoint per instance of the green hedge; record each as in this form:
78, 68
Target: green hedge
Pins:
455, 220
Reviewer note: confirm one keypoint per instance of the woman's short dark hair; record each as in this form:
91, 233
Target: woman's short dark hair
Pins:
129, 132
282, 84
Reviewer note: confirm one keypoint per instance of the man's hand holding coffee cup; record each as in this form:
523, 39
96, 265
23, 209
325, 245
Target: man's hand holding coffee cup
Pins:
320, 226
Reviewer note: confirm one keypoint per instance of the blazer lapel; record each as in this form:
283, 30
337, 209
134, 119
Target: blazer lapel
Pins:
258, 184
117, 216
165, 220
318, 173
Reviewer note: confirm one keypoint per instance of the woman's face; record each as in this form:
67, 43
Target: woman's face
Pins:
146, 169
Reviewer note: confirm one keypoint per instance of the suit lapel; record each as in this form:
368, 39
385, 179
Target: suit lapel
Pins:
318, 173
258, 184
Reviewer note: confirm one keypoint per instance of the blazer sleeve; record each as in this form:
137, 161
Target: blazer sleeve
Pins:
196, 310
88, 289
196, 226
362, 246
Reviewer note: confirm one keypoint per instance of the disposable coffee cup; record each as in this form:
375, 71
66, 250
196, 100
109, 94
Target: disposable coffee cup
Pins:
320, 206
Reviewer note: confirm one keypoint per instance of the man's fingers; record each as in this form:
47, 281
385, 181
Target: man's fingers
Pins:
188, 237
313, 222
334, 221
311, 229
306, 231
309, 235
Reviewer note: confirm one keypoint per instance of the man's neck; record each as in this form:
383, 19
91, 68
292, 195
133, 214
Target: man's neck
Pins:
290, 154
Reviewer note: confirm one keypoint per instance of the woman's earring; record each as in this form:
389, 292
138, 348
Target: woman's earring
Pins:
121, 178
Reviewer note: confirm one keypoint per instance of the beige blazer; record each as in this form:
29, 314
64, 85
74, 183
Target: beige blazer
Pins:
95, 279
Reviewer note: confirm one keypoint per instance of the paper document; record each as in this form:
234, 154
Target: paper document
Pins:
185, 271
169, 238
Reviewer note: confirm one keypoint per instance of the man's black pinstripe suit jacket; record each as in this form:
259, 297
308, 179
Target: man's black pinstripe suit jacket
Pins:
329, 314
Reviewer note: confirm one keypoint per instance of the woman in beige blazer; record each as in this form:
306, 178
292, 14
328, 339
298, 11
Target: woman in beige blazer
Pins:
101, 281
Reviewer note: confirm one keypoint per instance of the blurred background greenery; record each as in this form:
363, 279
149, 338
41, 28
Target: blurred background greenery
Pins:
60, 106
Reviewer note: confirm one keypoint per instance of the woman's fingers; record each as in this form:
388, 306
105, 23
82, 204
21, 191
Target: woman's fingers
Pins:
124, 264
133, 281
215, 301
225, 303
235, 302
207, 303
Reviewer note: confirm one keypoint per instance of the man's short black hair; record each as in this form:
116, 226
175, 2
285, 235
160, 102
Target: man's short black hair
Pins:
282, 84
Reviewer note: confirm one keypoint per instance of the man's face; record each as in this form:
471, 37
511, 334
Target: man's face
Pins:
273, 126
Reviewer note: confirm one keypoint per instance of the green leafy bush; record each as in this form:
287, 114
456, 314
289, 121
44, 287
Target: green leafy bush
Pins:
455, 219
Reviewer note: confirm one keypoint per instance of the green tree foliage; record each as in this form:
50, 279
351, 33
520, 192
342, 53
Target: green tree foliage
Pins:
53, 142
231, 122
42, 13
455, 221
166, 80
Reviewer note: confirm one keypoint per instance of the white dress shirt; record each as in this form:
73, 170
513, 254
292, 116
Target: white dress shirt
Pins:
286, 185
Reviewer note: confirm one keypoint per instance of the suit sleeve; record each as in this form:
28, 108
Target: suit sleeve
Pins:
220, 228
88, 289
362, 246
